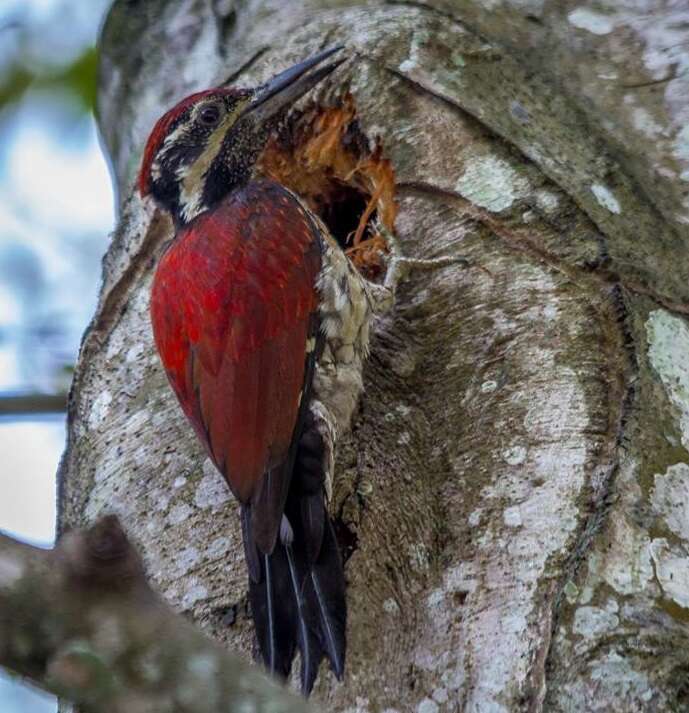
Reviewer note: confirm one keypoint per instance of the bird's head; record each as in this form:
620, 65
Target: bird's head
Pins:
208, 143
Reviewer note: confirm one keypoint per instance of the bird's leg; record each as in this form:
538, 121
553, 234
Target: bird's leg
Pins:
398, 268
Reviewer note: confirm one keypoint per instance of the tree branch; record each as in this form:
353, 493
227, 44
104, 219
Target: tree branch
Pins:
82, 622
32, 403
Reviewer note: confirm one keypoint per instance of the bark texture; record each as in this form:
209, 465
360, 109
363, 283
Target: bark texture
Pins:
515, 487
81, 621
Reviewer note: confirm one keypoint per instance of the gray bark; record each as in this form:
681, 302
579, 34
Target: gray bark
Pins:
518, 474
82, 622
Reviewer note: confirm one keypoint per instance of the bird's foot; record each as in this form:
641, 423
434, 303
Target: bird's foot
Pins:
399, 267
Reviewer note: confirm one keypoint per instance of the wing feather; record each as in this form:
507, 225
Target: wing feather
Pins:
233, 303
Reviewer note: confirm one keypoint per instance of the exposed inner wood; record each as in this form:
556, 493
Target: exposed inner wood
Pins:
323, 156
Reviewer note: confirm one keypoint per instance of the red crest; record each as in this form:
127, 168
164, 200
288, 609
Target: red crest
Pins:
158, 134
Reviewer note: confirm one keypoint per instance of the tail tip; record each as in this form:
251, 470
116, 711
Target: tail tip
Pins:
337, 667
308, 678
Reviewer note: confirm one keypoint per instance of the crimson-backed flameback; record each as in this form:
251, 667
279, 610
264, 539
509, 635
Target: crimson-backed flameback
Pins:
262, 324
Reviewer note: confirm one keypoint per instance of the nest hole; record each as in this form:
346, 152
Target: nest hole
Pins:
322, 155
343, 213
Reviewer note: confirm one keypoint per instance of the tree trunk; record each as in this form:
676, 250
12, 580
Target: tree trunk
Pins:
513, 494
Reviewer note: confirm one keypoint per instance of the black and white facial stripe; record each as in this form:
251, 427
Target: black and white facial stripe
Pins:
196, 156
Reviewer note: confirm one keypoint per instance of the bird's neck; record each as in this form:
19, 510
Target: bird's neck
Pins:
200, 197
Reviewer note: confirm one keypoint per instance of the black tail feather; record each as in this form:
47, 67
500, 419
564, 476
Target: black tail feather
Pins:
274, 611
253, 563
324, 594
313, 517
299, 603
307, 643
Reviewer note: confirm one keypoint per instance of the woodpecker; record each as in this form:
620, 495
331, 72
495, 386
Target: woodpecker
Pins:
261, 323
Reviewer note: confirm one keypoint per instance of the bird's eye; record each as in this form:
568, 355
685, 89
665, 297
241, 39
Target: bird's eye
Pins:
209, 115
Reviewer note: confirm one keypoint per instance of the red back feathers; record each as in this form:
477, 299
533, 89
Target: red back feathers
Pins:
233, 305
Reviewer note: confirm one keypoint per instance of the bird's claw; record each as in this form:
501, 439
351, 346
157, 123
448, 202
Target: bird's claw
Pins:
399, 266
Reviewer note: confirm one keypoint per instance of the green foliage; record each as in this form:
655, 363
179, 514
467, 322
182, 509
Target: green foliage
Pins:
78, 79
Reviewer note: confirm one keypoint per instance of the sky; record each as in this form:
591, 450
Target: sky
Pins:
56, 212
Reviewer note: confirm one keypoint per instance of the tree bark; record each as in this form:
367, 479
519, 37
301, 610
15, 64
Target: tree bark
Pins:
82, 622
513, 491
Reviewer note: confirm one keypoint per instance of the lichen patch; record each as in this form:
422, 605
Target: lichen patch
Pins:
670, 499
212, 490
606, 198
593, 621
591, 21
668, 346
427, 705
681, 144
99, 409
194, 593
492, 183
672, 570
515, 455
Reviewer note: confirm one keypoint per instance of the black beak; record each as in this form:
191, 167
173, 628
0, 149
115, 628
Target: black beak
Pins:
285, 88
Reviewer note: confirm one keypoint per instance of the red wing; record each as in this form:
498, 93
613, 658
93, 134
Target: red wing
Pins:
232, 308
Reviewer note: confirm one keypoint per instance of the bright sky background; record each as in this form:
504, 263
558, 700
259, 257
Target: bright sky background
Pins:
55, 216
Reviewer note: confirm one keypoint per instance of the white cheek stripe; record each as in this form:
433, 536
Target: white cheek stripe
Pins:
192, 177
190, 203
